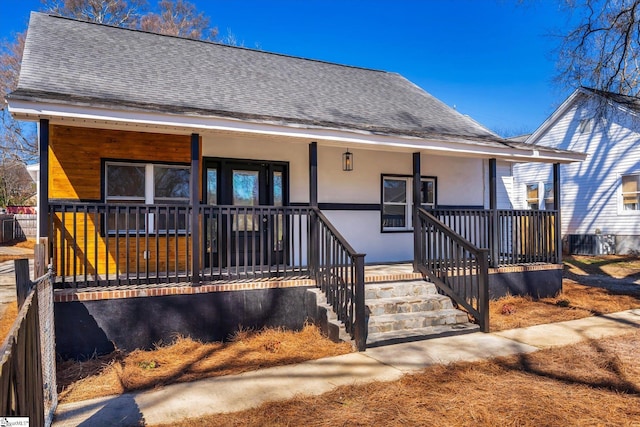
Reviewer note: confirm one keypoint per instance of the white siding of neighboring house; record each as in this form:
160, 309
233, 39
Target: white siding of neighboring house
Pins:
591, 190
504, 189
460, 182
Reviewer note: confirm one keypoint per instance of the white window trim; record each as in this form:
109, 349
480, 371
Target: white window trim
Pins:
149, 196
409, 201
621, 209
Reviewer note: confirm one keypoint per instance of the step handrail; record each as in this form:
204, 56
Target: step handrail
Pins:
457, 267
339, 272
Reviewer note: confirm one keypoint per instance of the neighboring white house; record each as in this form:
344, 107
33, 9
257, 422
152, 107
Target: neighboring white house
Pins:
600, 201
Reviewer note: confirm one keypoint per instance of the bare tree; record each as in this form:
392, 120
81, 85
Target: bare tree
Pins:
175, 17
179, 18
17, 139
603, 50
16, 186
121, 13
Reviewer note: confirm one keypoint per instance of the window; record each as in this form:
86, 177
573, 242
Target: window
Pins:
585, 125
631, 192
549, 205
397, 201
533, 199
134, 185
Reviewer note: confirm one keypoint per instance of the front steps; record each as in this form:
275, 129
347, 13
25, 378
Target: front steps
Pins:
398, 312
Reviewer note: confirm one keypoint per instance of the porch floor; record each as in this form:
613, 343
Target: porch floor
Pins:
373, 273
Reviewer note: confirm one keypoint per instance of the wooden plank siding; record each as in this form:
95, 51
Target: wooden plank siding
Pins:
76, 156
75, 174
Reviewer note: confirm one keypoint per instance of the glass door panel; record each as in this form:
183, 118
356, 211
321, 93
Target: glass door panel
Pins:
246, 192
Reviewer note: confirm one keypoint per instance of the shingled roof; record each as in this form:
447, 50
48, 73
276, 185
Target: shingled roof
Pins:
72, 61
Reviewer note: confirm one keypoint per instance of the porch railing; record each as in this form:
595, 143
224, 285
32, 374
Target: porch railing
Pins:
120, 244
339, 272
456, 266
513, 236
254, 242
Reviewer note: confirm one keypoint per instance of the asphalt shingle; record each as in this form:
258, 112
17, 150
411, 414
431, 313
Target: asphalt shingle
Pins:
74, 61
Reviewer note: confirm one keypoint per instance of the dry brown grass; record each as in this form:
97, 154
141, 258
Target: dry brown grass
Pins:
188, 360
6, 320
26, 244
574, 302
591, 383
617, 266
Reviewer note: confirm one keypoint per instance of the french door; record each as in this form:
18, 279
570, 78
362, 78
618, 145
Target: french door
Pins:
244, 233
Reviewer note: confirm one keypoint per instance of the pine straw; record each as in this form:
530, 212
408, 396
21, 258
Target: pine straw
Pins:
574, 302
591, 383
187, 360
8, 318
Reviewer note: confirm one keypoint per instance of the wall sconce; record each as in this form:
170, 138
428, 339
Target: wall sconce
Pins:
347, 161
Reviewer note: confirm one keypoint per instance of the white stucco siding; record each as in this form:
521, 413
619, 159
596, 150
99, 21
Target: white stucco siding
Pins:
459, 182
237, 146
591, 190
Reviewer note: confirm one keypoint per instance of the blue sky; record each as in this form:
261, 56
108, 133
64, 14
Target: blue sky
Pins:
490, 59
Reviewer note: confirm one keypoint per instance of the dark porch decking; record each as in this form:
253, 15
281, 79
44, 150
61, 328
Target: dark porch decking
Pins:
374, 273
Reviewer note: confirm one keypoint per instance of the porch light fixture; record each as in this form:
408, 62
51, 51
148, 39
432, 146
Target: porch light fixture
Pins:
347, 161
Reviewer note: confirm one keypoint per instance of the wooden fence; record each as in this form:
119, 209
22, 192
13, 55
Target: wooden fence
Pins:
17, 227
27, 358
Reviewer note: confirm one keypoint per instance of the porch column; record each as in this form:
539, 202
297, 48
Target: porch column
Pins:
314, 244
416, 204
195, 202
43, 196
558, 223
313, 174
494, 237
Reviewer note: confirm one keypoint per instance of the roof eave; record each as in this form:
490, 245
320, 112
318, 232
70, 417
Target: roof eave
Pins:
29, 110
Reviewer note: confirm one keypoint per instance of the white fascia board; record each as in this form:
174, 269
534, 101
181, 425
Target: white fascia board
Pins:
61, 113
555, 116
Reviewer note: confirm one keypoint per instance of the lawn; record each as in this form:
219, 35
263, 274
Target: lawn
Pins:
587, 384
188, 360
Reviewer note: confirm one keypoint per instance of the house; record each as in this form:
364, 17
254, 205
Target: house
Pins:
191, 187
600, 197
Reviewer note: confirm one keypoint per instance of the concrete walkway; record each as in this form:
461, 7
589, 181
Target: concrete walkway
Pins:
248, 390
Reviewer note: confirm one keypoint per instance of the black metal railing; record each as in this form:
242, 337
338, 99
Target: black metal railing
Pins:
512, 236
339, 272
254, 242
456, 266
120, 244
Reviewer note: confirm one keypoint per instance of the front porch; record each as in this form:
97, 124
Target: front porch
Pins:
119, 251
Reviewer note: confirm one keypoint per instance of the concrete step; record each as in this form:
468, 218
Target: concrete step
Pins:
405, 321
394, 337
410, 288
380, 306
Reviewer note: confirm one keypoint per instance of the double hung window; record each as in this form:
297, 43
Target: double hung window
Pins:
397, 201
137, 185
533, 197
631, 192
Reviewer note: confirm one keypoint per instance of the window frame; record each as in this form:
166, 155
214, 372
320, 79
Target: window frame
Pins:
550, 198
409, 200
621, 194
148, 225
528, 199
